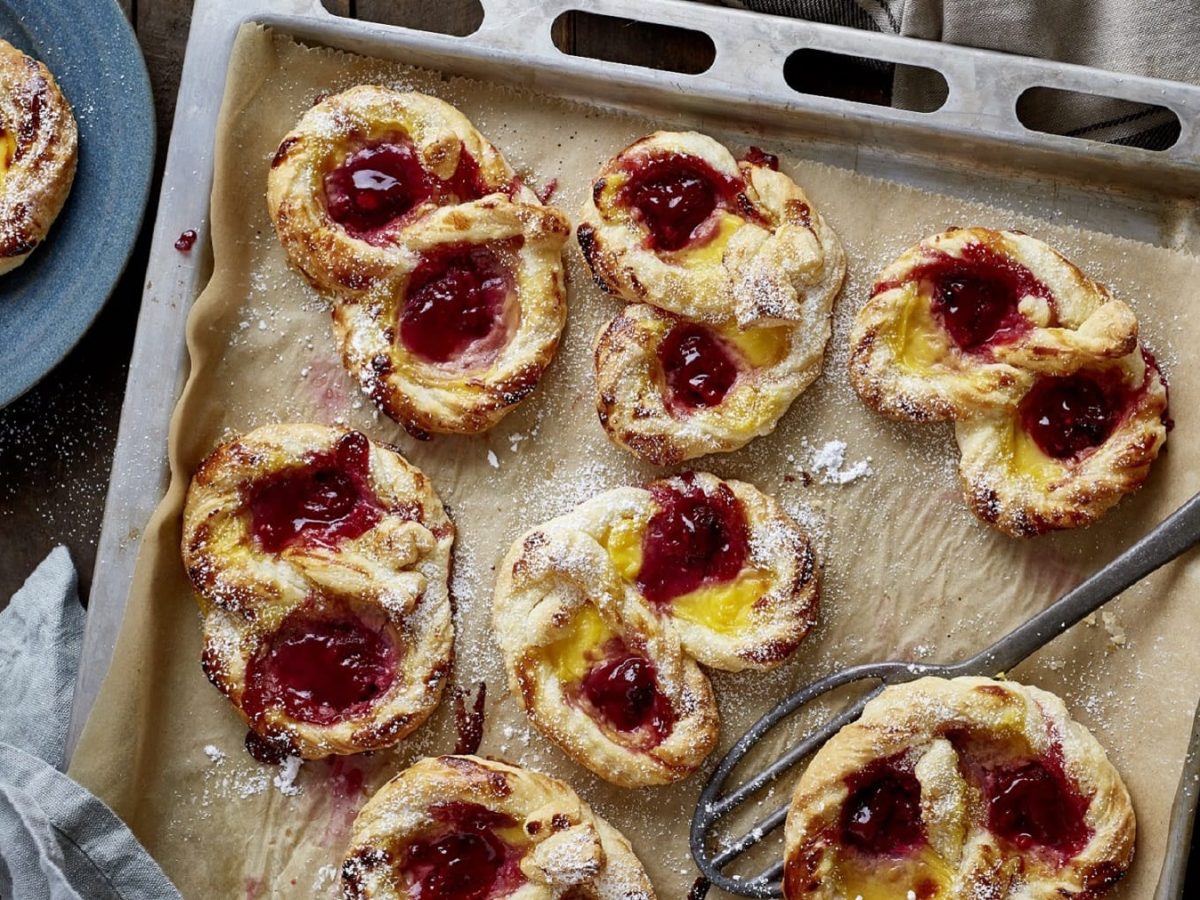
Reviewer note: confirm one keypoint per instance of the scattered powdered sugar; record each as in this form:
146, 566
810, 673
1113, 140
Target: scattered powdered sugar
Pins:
493, 460
215, 754
326, 876
829, 461
286, 779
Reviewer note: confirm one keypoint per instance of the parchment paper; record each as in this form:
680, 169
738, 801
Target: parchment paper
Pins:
908, 572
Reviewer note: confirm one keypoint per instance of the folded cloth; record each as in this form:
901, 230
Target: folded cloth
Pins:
57, 841
1157, 39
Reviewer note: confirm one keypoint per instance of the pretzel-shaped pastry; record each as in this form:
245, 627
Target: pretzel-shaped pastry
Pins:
675, 221
445, 271
965, 787
466, 828
733, 274
601, 614
321, 561
1058, 412
38, 152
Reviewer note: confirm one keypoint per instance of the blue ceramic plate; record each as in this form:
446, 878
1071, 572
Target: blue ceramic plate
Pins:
48, 303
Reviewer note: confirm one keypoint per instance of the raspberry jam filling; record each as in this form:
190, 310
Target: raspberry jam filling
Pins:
674, 196
380, 184
692, 540
321, 668
1070, 415
882, 816
623, 689
1032, 805
464, 859
698, 369
977, 297
325, 501
455, 303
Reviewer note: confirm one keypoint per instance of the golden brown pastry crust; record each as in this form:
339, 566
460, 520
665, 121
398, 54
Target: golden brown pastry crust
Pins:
38, 153
941, 728
1055, 494
394, 577
905, 364
568, 850
367, 276
570, 584
773, 257
471, 393
934, 380
335, 261
776, 363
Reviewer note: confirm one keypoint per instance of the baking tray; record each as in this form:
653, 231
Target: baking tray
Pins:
974, 147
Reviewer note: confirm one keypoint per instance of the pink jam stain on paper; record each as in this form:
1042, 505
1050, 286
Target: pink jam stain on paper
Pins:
346, 791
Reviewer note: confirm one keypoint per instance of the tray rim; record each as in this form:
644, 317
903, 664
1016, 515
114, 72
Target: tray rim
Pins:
160, 359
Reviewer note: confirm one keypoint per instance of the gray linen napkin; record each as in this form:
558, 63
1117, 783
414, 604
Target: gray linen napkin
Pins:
57, 841
1158, 38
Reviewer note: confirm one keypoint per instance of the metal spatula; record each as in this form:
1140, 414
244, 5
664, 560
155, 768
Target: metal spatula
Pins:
1179, 532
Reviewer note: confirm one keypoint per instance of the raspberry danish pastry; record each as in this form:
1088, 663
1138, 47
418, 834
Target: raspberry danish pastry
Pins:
38, 152
1058, 411
966, 319
360, 170
602, 613
461, 332
670, 389
466, 828
444, 270
675, 221
959, 788
321, 561
1069, 450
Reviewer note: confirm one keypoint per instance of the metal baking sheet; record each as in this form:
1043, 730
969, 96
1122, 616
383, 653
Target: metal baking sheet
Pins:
974, 147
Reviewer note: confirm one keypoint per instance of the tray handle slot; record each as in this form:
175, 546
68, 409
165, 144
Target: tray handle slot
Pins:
633, 42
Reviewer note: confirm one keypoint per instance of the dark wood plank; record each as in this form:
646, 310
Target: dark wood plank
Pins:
458, 17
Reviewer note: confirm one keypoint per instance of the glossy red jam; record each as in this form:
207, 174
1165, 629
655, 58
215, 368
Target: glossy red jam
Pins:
882, 815
455, 300
323, 502
321, 668
380, 184
674, 196
464, 859
1032, 805
698, 369
756, 156
623, 689
186, 241
694, 539
976, 297
1068, 416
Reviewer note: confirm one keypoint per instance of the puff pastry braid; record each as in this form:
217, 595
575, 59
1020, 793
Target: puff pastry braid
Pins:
959, 788
445, 271
466, 828
1058, 411
321, 561
38, 152
601, 615
732, 276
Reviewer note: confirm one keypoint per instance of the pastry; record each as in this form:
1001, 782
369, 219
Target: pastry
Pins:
671, 389
461, 332
1058, 411
321, 561
965, 320
466, 828
601, 615
675, 221
1069, 450
444, 270
38, 152
959, 788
